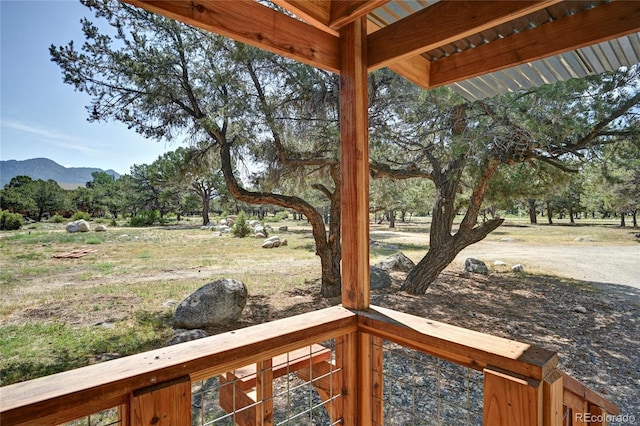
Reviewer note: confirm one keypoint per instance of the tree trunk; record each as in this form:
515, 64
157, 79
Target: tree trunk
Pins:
533, 214
571, 214
634, 215
392, 218
443, 246
328, 247
622, 220
428, 269
549, 213
205, 210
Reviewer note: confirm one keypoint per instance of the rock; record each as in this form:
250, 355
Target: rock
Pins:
284, 228
499, 263
397, 262
475, 266
517, 268
284, 242
211, 223
108, 356
170, 303
78, 226
580, 309
224, 228
187, 336
253, 223
205, 228
379, 278
259, 235
212, 304
223, 222
272, 242
101, 228
258, 229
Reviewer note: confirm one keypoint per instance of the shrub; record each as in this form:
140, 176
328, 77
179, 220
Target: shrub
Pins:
282, 215
57, 219
145, 218
10, 221
80, 215
241, 228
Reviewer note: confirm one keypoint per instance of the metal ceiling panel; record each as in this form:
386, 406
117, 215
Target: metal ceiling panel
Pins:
607, 56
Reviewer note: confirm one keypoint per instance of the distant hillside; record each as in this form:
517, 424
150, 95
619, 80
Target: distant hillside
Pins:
45, 169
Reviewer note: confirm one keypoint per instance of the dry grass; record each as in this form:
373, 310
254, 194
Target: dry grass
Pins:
118, 298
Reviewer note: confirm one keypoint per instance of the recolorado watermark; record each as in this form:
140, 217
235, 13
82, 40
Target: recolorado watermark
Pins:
609, 418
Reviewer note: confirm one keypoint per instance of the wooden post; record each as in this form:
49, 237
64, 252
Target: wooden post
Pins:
552, 394
164, 404
354, 164
346, 361
511, 400
264, 392
377, 384
123, 415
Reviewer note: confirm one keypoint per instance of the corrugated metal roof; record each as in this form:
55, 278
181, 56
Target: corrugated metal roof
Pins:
607, 56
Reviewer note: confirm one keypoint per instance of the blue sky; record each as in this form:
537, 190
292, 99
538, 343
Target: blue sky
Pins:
40, 116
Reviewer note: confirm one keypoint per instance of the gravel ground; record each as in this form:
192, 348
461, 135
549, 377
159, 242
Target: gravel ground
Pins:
594, 329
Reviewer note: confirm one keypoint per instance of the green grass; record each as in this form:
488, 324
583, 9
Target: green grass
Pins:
34, 350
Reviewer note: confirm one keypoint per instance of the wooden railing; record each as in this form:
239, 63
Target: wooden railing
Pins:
584, 406
522, 385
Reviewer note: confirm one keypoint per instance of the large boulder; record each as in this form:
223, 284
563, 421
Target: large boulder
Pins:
215, 303
378, 278
78, 226
397, 262
475, 266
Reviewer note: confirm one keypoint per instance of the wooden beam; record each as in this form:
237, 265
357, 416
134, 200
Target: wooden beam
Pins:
415, 69
462, 346
602, 23
315, 12
254, 24
97, 387
443, 23
344, 12
354, 165
575, 387
330, 15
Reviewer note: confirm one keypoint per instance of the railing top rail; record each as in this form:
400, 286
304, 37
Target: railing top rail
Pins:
581, 390
466, 347
110, 383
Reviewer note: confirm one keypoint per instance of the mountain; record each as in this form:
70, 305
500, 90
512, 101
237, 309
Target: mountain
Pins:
45, 169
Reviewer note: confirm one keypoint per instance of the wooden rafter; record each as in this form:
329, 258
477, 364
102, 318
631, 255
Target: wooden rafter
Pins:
254, 24
315, 12
440, 24
346, 11
602, 23
330, 15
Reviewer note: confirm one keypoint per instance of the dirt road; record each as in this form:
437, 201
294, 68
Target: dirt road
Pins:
595, 263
